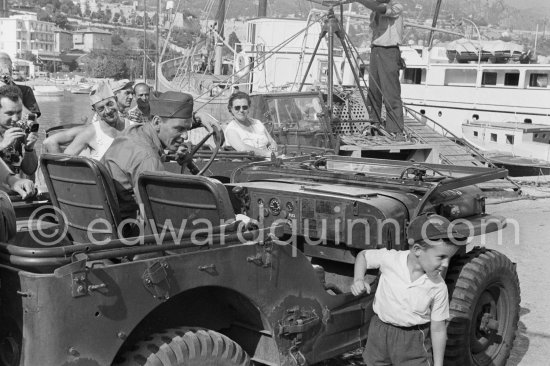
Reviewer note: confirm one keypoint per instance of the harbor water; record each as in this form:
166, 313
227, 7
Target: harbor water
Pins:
60, 110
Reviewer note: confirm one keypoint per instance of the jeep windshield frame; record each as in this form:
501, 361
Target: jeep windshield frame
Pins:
299, 122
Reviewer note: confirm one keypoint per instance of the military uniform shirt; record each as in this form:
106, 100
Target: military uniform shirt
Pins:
138, 150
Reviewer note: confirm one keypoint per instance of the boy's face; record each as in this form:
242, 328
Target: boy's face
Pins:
435, 257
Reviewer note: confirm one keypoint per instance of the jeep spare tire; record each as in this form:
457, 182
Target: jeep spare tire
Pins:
185, 347
484, 308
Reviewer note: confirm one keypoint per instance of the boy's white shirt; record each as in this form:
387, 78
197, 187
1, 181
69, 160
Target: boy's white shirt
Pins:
399, 301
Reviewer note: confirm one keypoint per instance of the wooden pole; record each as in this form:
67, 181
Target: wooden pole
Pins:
219, 44
434, 23
262, 9
157, 55
144, 42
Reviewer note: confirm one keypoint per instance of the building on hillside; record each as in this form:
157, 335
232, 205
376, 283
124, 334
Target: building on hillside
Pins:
63, 40
91, 4
92, 39
23, 34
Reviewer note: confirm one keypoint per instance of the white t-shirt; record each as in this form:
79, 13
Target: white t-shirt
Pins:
399, 301
102, 141
255, 136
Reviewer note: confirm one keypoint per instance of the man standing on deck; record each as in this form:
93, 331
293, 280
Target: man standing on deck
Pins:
385, 62
141, 112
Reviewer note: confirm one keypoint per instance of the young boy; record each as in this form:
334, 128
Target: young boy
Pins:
411, 300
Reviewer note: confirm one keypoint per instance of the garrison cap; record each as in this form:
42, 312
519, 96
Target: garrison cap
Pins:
100, 91
121, 85
431, 227
172, 104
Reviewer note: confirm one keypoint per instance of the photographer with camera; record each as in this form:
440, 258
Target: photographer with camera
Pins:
27, 95
17, 139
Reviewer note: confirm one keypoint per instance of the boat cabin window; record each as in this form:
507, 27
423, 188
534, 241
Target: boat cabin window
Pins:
542, 138
511, 79
538, 80
460, 77
510, 139
493, 137
412, 76
489, 78
476, 134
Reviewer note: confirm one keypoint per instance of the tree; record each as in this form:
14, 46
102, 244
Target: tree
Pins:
61, 20
73, 65
116, 40
43, 16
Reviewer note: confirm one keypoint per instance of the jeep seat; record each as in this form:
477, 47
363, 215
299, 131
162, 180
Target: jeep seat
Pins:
179, 200
83, 191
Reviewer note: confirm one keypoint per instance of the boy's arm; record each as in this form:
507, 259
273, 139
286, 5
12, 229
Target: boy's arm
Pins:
359, 285
438, 331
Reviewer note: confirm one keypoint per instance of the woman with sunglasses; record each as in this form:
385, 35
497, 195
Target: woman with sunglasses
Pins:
244, 133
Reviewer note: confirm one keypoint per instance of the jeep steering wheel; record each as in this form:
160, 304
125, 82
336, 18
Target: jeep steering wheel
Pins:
213, 131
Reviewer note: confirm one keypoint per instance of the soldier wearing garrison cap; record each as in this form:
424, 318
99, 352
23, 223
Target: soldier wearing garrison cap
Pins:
95, 138
143, 146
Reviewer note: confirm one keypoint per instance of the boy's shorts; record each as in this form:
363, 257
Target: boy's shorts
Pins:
399, 346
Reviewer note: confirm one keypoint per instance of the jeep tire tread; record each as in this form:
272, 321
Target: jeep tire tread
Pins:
484, 309
189, 347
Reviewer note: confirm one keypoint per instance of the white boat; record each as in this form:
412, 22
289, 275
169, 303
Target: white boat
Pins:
81, 89
47, 91
523, 148
454, 93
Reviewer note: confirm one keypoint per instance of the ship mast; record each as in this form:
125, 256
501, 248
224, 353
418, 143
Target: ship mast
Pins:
219, 42
434, 23
262, 9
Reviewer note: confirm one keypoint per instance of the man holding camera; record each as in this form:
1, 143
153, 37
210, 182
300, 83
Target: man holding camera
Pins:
27, 95
17, 139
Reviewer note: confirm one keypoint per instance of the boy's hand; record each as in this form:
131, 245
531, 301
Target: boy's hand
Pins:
359, 286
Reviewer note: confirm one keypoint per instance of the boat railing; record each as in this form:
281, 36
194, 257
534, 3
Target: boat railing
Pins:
419, 117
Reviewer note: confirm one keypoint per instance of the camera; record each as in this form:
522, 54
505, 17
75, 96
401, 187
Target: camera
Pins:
30, 125
5, 78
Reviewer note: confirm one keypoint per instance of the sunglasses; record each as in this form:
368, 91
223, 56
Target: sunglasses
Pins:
238, 107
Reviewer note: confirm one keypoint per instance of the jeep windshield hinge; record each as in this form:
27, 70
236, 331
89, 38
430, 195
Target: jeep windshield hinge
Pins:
155, 280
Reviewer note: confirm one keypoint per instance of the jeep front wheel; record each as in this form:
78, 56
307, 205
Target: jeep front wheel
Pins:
179, 347
484, 308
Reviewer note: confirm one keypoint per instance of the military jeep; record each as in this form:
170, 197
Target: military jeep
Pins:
196, 285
